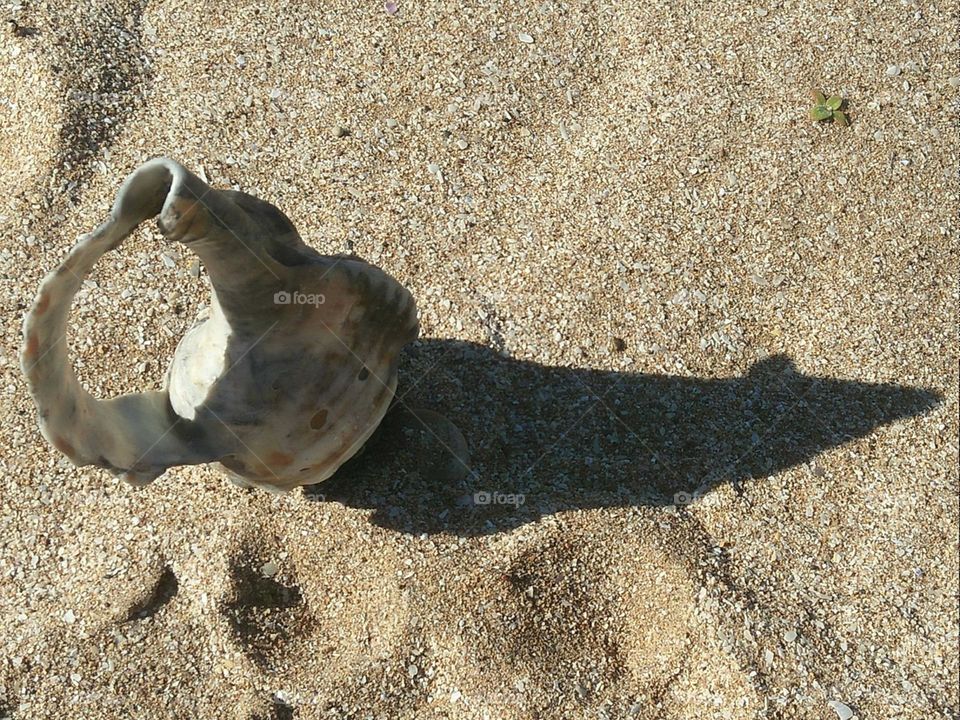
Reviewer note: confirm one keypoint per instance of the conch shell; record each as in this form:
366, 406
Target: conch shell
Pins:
289, 375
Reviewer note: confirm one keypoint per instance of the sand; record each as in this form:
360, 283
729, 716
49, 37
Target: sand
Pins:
703, 350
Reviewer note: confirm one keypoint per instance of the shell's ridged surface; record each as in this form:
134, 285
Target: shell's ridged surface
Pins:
284, 381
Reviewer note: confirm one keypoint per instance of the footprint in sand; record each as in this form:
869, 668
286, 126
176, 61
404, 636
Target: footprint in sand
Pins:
590, 618
164, 590
265, 608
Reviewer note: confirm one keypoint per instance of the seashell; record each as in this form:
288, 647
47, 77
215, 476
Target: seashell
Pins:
286, 379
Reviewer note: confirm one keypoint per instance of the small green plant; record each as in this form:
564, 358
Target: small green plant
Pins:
827, 108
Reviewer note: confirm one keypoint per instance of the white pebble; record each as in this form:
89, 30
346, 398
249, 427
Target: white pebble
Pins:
790, 636
269, 569
843, 712
524, 38
893, 70
69, 617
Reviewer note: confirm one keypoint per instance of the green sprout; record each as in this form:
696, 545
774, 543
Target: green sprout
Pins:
825, 108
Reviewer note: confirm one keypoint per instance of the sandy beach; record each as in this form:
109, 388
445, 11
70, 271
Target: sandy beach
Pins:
702, 348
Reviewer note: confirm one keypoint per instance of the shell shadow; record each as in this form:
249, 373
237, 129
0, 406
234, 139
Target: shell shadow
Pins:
545, 439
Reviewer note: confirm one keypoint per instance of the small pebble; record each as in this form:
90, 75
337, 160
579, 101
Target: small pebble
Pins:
340, 131
893, 70
390, 7
269, 569
524, 38
790, 636
69, 617
842, 710
412, 670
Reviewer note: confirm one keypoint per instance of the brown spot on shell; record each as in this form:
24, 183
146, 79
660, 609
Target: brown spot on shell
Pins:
42, 304
314, 469
33, 345
319, 419
63, 446
364, 374
279, 459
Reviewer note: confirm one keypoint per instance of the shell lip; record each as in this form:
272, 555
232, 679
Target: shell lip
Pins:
149, 191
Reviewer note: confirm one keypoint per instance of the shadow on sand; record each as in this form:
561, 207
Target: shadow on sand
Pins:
565, 438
